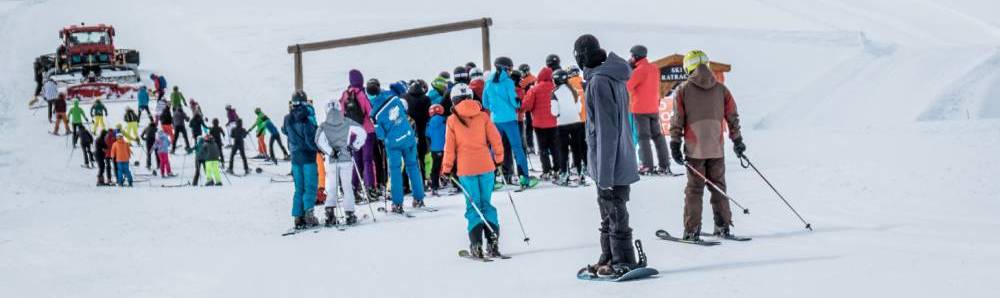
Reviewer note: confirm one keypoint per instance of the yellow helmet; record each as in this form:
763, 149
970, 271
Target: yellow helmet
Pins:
693, 59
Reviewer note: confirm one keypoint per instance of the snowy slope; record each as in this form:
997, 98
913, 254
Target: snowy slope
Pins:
877, 119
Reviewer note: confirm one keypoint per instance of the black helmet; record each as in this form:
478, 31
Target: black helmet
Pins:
461, 74
516, 76
638, 51
373, 86
552, 61
470, 65
445, 75
524, 68
560, 77
504, 62
415, 87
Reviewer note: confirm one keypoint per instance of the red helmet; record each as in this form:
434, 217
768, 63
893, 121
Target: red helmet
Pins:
435, 109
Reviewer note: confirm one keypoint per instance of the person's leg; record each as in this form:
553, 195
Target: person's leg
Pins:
660, 143
261, 146
281, 145
149, 153
341, 176
508, 162
332, 184
484, 200
471, 186
395, 175
232, 154
49, 103
298, 209
213, 168
368, 160
545, 149
565, 139
159, 163
124, 166
413, 171
715, 169
693, 197
243, 155
379, 158
270, 143
510, 130
219, 145
604, 208
622, 251
197, 172
436, 158
310, 186
645, 151
529, 133
119, 174
579, 147
187, 144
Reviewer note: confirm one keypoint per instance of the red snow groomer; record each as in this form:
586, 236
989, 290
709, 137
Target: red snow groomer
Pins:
86, 65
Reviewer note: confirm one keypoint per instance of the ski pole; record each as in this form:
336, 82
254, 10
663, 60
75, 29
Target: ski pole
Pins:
225, 175
474, 207
716, 187
743, 158
516, 214
364, 188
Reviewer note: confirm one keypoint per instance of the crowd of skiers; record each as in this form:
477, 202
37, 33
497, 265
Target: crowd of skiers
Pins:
478, 129
468, 130
110, 149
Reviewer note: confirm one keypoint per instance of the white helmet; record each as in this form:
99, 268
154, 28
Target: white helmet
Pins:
460, 92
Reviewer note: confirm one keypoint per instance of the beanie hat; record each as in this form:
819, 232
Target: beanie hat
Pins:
587, 51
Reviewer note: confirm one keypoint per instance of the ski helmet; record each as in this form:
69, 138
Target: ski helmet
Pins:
516, 76
460, 92
524, 68
439, 84
693, 59
470, 65
504, 62
560, 77
573, 71
435, 109
461, 74
552, 61
298, 98
257, 111
373, 87
444, 75
476, 73
638, 51
416, 87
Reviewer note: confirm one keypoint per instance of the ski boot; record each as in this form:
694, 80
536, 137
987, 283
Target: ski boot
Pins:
647, 171
476, 251
230, 171
331, 217
398, 209
546, 177
434, 192
300, 223
692, 236
310, 219
528, 182
722, 231
351, 218
210, 183
418, 203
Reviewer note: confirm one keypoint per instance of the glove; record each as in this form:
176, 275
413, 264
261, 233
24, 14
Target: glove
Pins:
738, 146
675, 151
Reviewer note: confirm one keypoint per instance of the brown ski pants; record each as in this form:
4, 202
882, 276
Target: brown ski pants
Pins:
715, 170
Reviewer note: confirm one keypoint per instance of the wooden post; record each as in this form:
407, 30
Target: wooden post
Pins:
298, 69
486, 45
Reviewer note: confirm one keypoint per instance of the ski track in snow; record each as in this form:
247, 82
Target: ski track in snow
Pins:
834, 96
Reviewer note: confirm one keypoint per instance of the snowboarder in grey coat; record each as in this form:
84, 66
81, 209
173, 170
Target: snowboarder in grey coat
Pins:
611, 155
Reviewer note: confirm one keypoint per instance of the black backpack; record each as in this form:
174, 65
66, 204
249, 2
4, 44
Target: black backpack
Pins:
352, 108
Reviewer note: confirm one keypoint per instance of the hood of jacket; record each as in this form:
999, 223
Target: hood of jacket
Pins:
614, 67
545, 75
335, 127
703, 77
356, 78
469, 109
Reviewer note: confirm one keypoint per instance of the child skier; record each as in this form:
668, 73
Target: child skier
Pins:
302, 140
121, 152
149, 137
180, 129
131, 126
77, 117
238, 134
357, 107
101, 151
98, 111
59, 107
162, 148
177, 100
211, 152
471, 137
86, 139
143, 102
217, 133
435, 137
338, 138
231, 117
500, 98
262, 123
167, 123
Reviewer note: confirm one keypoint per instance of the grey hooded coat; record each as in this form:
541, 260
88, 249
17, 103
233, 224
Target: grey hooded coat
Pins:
611, 156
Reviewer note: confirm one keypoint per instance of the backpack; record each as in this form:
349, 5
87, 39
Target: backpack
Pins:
352, 108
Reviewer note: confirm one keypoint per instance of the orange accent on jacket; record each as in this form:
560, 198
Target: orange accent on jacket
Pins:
577, 83
468, 139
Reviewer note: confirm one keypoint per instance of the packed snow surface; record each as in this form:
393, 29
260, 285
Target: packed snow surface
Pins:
878, 120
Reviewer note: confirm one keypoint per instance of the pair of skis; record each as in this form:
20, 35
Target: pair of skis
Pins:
316, 229
664, 235
468, 255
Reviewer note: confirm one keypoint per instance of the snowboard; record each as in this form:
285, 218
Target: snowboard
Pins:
637, 273
468, 255
666, 236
